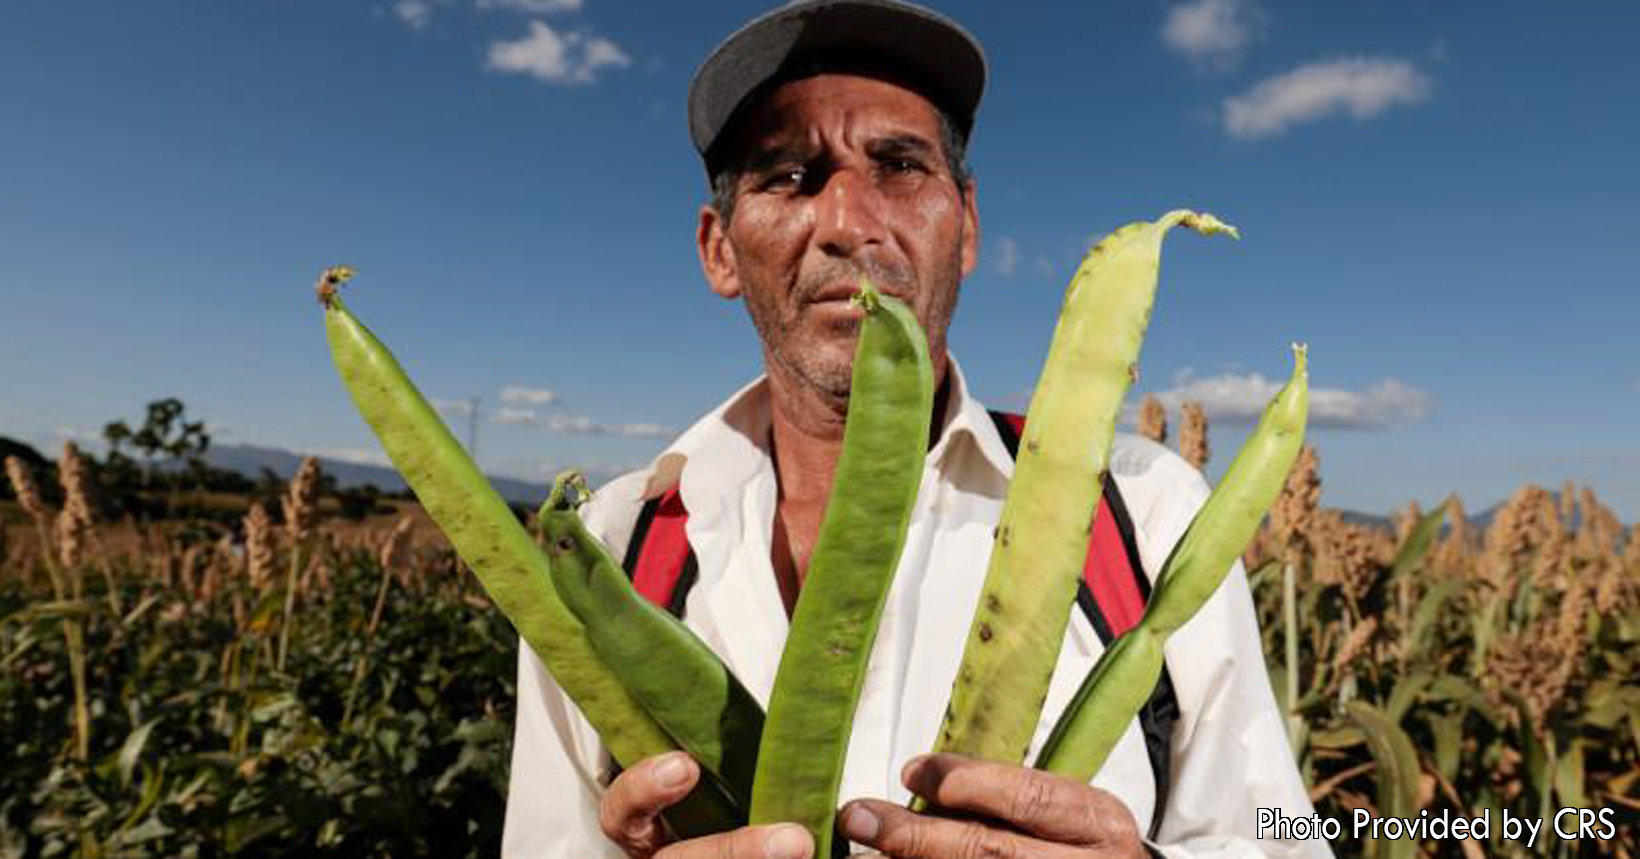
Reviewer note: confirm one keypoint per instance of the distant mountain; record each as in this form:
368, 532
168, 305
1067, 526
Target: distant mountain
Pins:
249, 460
1355, 517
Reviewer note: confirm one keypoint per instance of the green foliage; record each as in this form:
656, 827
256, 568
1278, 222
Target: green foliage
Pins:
1434, 678
200, 749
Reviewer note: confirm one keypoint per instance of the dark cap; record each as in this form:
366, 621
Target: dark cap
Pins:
925, 50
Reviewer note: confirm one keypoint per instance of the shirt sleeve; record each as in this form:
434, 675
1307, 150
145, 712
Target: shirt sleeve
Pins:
1231, 756
557, 773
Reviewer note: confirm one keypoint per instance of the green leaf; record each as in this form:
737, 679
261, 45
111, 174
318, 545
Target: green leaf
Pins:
1345, 737
1448, 733
140, 609
1569, 778
1265, 572
1427, 614
131, 750
1406, 693
1539, 758
1398, 773
56, 609
1418, 542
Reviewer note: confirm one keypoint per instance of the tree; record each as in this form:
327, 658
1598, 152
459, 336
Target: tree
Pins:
164, 433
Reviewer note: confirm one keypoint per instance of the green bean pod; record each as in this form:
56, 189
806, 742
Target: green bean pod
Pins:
1042, 536
679, 681
483, 530
811, 710
1121, 681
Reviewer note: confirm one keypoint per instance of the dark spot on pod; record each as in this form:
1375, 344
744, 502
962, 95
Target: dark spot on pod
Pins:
984, 632
993, 603
1002, 536
565, 544
1133, 373
1033, 446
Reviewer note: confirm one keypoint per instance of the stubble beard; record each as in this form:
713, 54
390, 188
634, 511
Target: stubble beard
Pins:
821, 356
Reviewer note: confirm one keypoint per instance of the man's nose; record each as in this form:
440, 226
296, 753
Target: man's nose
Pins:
847, 212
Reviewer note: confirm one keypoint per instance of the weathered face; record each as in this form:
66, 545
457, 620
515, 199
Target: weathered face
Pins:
842, 176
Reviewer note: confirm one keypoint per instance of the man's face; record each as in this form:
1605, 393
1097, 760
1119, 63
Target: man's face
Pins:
841, 176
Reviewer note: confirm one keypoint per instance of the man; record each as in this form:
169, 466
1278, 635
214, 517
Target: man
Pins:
833, 134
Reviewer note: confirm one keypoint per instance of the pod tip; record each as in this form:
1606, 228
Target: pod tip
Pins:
1208, 224
569, 491
1301, 353
330, 282
868, 297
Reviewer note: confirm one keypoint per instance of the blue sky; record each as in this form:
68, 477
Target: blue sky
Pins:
1438, 198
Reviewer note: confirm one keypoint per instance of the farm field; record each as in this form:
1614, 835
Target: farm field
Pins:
268, 674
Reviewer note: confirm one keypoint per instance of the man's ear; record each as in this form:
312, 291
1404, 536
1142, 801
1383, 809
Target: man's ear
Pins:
970, 229
717, 255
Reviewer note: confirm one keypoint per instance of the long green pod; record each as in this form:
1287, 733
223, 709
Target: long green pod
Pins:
1220, 531
679, 681
483, 529
1042, 536
811, 710
1121, 681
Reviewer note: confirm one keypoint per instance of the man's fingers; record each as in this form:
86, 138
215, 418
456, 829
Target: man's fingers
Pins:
1042, 804
903, 834
630, 811
775, 841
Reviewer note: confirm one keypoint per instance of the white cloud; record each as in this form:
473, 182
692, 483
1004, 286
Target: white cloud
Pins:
416, 13
534, 7
586, 426
356, 455
559, 58
1044, 266
1239, 398
1362, 87
643, 430
1007, 258
1213, 34
515, 416
518, 395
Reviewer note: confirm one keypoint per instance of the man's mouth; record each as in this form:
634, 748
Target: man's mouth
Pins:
840, 293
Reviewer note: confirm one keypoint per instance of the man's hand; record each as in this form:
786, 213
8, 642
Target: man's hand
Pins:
630, 816
1008, 812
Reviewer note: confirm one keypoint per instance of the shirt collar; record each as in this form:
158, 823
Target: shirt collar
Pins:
730, 445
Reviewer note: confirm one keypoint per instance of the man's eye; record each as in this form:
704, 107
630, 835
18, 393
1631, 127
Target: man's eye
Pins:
901, 175
790, 177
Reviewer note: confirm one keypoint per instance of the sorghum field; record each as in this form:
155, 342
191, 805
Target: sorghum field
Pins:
291, 670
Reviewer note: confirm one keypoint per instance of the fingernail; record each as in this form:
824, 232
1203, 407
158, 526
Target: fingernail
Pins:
859, 824
672, 771
787, 842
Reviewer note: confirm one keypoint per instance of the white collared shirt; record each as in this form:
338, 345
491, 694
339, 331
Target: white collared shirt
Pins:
1230, 752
